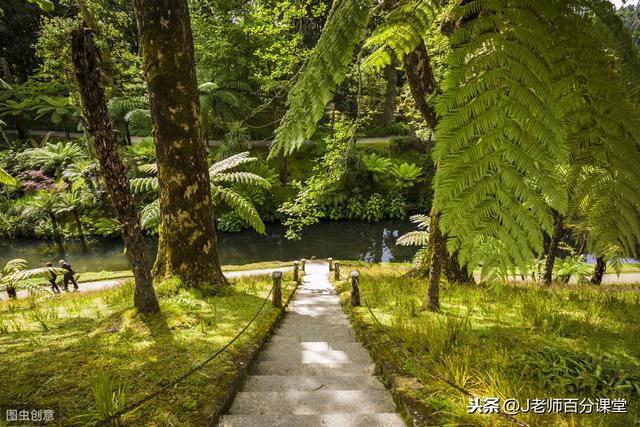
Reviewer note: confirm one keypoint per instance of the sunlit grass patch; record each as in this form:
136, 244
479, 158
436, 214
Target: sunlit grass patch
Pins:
518, 341
70, 350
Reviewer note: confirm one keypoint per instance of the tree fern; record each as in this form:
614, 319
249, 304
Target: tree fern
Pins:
223, 178
403, 29
322, 73
526, 95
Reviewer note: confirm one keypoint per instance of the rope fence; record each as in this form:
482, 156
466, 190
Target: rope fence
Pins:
132, 406
392, 339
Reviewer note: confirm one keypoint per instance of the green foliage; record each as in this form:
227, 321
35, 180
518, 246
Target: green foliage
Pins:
223, 179
374, 208
6, 179
514, 113
406, 174
403, 29
321, 74
579, 373
419, 237
53, 157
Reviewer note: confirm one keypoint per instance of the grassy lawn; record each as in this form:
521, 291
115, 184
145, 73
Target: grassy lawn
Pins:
66, 350
519, 342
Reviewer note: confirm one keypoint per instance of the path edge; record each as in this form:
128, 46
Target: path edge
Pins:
246, 359
413, 412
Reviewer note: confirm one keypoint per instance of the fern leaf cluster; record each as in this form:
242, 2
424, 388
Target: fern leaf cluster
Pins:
530, 100
401, 32
321, 74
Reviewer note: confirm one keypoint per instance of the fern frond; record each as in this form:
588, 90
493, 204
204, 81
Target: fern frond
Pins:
403, 29
231, 162
21, 275
151, 168
241, 206
14, 265
241, 178
5, 178
321, 74
150, 215
144, 185
413, 238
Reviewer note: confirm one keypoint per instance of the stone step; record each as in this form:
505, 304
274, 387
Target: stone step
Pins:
293, 317
314, 345
319, 420
310, 330
311, 383
312, 402
331, 339
314, 356
334, 369
311, 310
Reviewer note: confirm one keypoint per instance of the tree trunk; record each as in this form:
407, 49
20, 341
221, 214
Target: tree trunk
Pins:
601, 267
552, 249
83, 240
390, 96
112, 167
432, 299
11, 292
282, 168
128, 133
455, 273
187, 241
422, 83
56, 232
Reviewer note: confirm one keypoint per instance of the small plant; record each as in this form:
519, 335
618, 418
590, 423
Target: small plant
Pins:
109, 394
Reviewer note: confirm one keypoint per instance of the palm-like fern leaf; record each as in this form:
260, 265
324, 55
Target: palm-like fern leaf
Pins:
231, 162
241, 178
150, 215
241, 206
403, 30
5, 178
321, 74
144, 185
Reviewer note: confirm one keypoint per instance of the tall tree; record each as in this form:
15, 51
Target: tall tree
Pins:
187, 245
114, 171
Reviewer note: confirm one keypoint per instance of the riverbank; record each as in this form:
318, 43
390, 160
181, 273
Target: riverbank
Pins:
84, 351
514, 341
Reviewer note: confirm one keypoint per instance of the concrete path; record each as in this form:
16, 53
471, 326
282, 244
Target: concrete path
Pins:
210, 143
313, 372
100, 285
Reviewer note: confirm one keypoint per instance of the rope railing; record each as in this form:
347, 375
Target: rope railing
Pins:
130, 407
392, 339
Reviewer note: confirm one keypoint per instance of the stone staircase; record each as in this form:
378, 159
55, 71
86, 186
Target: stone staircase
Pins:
313, 372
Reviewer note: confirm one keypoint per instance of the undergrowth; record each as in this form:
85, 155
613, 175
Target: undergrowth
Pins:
506, 341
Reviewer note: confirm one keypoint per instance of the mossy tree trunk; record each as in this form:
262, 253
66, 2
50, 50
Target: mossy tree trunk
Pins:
187, 241
598, 272
552, 249
390, 95
113, 169
432, 298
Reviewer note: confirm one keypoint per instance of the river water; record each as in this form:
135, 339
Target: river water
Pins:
354, 240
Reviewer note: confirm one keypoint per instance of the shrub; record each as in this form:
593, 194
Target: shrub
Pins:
396, 206
374, 209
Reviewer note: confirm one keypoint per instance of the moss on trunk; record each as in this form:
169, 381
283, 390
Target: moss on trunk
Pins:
114, 171
187, 241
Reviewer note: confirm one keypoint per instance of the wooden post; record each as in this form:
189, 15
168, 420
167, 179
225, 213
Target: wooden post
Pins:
296, 271
336, 271
304, 261
277, 288
355, 288
330, 264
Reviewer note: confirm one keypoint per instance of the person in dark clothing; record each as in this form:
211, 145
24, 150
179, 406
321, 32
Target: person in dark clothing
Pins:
51, 277
68, 276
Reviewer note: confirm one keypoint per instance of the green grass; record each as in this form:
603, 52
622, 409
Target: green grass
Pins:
522, 342
87, 351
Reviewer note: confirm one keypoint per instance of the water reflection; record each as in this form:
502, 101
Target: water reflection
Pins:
373, 242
